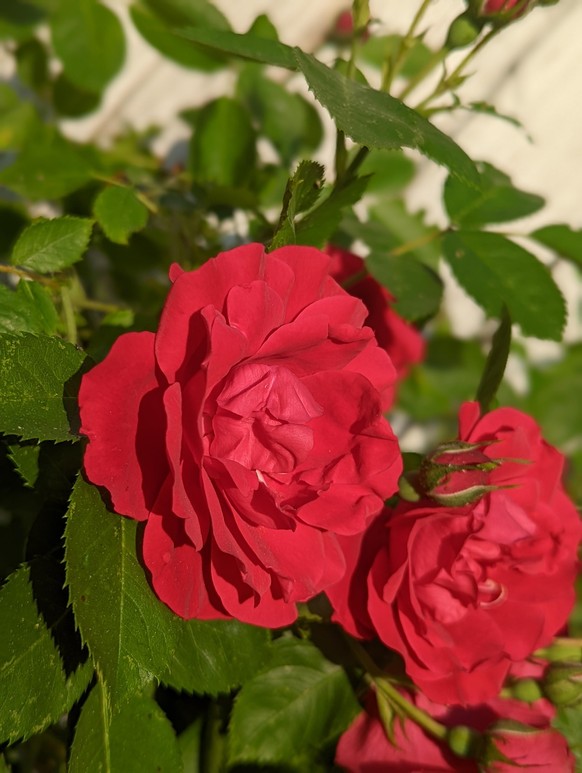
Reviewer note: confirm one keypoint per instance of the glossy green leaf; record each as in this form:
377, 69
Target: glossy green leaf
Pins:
495, 364
253, 47
496, 271
29, 308
377, 120
36, 375
287, 713
561, 239
52, 245
223, 148
417, 289
120, 213
302, 191
34, 689
495, 201
128, 631
215, 656
25, 460
136, 736
88, 39
172, 45
48, 169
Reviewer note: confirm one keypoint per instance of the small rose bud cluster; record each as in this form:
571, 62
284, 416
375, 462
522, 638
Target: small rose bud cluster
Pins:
502, 12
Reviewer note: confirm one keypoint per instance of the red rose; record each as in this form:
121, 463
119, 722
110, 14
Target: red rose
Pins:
464, 592
401, 340
247, 433
365, 748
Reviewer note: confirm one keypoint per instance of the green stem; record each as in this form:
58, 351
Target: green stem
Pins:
414, 244
69, 313
213, 746
391, 69
436, 59
444, 84
108, 308
24, 274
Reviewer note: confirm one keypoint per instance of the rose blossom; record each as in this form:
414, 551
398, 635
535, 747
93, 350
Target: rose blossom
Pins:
247, 433
402, 341
501, 10
365, 748
464, 592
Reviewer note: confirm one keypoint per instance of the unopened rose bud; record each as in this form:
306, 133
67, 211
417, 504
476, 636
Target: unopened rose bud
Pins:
464, 741
510, 745
345, 28
562, 684
456, 473
500, 12
463, 31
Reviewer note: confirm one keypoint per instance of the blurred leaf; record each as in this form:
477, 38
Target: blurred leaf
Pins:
495, 364
377, 120
569, 722
34, 689
197, 13
136, 736
107, 583
52, 245
19, 18
285, 118
29, 308
487, 109
302, 191
418, 290
390, 171
290, 711
18, 120
190, 742
35, 372
448, 377
120, 213
376, 49
12, 220
561, 239
88, 39
263, 27
48, 169
407, 230
32, 64
318, 225
71, 101
170, 43
253, 47
496, 201
25, 460
496, 271
223, 148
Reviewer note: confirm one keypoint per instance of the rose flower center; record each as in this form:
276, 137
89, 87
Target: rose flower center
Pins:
261, 419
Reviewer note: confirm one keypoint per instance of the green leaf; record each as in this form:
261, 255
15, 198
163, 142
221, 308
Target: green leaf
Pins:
18, 120
253, 47
287, 713
88, 39
302, 191
223, 148
35, 383
320, 223
215, 656
128, 631
495, 364
377, 48
168, 42
189, 12
120, 213
569, 722
138, 736
18, 19
71, 101
496, 271
495, 201
25, 460
32, 64
34, 689
285, 118
190, 743
52, 245
377, 120
48, 169
417, 289
29, 308
561, 239
409, 233
391, 171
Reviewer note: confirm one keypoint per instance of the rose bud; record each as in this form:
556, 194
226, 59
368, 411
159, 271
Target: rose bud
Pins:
510, 744
562, 684
499, 12
456, 474
463, 31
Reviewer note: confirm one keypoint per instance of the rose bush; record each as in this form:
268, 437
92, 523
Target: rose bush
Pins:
247, 433
401, 340
533, 744
464, 592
